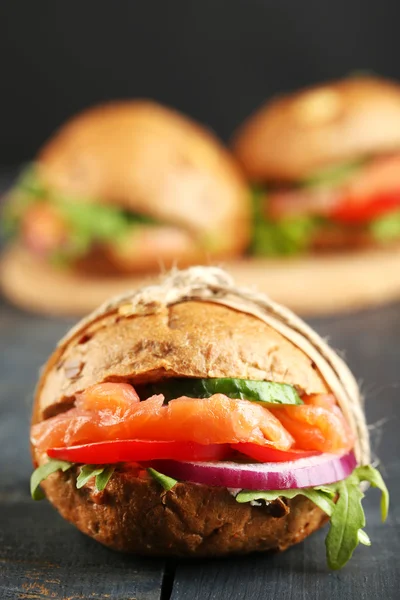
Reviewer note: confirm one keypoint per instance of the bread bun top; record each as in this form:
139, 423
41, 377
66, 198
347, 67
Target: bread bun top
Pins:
197, 323
188, 339
293, 135
151, 160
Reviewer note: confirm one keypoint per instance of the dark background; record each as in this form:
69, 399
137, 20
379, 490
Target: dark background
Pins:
213, 59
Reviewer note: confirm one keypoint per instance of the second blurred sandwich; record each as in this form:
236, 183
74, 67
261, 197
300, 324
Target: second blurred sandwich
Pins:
128, 187
326, 165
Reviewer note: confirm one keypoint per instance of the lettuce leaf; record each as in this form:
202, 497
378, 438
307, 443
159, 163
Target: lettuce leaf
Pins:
347, 518
89, 221
283, 237
333, 175
386, 228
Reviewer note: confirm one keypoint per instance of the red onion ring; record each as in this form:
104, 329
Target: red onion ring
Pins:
305, 472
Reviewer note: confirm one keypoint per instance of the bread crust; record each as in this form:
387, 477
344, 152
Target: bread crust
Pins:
189, 339
153, 161
137, 515
295, 134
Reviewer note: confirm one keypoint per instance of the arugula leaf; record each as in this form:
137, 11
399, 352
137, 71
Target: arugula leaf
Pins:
86, 473
347, 514
346, 521
319, 498
374, 478
348, 518
103, 478
101, 473
166, 482
363, 538
42, 472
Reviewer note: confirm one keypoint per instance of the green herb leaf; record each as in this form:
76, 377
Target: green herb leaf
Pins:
347, 514
103, 478
89, 220
29, 182
374, 478
279, 237
334, 175
267, 392
346, 521
42, 472
86, 473
166, 482
319, 498
363, 538
386, 228
348, 518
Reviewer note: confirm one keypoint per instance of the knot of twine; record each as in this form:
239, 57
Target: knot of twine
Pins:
216, 285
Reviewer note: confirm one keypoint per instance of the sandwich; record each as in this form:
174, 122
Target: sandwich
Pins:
121, 189
194, 418
325, 166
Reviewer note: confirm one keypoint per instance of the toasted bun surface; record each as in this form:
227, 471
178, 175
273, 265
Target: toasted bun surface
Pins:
190, 339
153, 161
137, 515
293, 135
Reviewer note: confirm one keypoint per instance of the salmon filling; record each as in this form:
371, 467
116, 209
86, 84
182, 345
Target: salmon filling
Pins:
113, 411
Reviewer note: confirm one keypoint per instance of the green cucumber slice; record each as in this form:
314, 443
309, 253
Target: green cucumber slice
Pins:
267, 392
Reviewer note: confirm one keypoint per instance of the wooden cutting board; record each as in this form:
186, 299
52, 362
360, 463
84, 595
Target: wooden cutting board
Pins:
309, 285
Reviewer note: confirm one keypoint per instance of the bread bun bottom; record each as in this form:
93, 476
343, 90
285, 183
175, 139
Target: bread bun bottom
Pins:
136, 515
311, 285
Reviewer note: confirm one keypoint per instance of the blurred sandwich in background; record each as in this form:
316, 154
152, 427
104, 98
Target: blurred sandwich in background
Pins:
120, 190
325, 165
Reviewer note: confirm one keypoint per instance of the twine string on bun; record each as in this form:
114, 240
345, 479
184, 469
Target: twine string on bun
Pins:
215, 285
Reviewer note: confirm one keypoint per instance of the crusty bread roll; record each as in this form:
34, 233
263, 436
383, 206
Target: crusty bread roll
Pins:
189, 339
161, 332
153, 161
293, 135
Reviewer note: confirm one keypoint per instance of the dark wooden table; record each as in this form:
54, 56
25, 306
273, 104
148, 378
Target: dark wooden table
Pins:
41, 556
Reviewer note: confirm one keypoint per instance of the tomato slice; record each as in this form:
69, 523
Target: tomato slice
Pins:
362, 210
115, 451
271, 454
